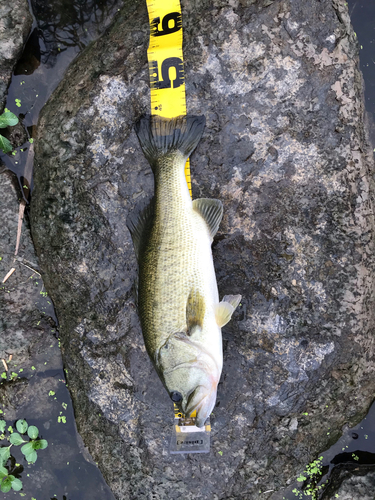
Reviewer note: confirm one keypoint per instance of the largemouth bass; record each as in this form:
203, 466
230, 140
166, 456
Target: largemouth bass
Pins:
178, 301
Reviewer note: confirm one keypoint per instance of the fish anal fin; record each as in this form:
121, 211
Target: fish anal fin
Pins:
139, 224
225, 309
212, 212
195, 310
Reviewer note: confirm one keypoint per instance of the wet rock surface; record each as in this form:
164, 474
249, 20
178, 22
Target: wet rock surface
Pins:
286, 151
355, 486
15, 24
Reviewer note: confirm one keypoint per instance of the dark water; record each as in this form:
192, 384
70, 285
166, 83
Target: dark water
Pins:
64, 470
362, 15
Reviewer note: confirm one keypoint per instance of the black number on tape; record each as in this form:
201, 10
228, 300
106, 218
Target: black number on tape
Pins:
165, 82
166, 30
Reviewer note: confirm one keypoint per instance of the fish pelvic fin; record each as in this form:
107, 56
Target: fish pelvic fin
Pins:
160, 136
212, 212
195, 310
225, 309
139, 224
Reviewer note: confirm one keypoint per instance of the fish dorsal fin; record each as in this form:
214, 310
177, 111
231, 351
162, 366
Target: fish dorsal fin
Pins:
225, 309
139, 224
195, 310
212, 212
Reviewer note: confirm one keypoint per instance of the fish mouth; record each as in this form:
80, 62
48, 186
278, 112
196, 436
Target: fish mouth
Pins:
202, 398
202, 401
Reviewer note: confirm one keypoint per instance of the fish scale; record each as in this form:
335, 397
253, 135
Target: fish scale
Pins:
173, 261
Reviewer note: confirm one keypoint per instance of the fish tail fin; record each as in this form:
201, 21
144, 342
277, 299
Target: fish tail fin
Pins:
160, 136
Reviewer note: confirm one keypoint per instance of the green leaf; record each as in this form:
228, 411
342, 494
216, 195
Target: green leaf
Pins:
33, 432
5, 145
22, 426
3, 472
27, 448
31, 457
40, 444
8, 118
6, 485
4, 455
16, 484
16, 439
2, 425
43, 444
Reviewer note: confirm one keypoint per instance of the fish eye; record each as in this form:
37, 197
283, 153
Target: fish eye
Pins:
176, 397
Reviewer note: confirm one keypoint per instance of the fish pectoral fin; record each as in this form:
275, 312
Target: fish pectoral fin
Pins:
139, 224
195, 310
225, 309
233, 300
212, 212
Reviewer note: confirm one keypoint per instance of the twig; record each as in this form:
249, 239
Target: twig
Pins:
20, 219
35, 266
5, 365
9, 274
28, 267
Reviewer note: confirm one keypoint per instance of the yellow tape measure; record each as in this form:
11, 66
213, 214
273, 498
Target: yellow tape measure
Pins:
166, 63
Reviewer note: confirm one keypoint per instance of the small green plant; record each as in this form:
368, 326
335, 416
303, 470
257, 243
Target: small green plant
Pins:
7, 119
30, 448
8, 481
312, 474
30, 443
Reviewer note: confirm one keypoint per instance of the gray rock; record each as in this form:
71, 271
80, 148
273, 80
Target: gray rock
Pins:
15, 24
286, 151
357, 487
